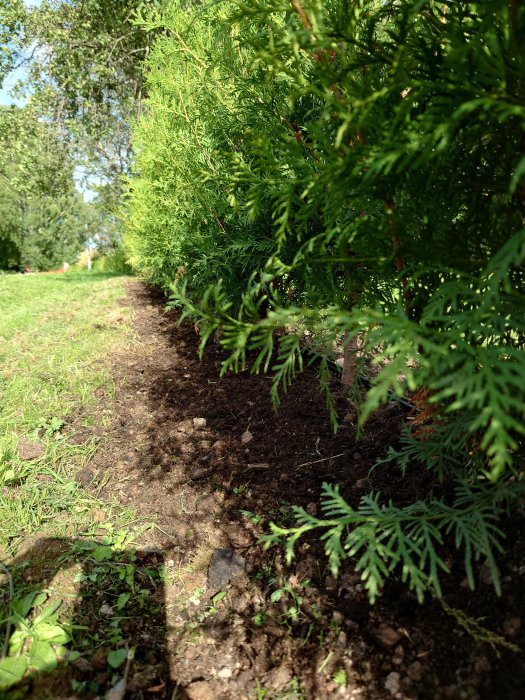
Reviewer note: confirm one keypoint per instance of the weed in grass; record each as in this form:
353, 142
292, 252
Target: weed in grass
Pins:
292, 692
56, 333
49, 428
116, 592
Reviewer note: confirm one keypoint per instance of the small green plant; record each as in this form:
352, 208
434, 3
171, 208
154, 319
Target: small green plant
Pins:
339, 677
196, 596
241, 491
117, 657
213, 609
252, 517
260, 692
291, 692
259, 618
289, 594
82, 687
38, 640
265, 572
51, 427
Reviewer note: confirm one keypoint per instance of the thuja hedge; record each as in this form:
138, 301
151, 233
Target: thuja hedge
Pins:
355, 169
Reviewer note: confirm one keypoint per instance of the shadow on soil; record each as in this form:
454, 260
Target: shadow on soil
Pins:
113, 601
275, 632
337, 645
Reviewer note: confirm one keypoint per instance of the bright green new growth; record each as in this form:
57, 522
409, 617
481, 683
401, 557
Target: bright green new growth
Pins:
355, 170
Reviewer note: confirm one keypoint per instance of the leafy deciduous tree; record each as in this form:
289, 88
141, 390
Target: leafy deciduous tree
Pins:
42, 215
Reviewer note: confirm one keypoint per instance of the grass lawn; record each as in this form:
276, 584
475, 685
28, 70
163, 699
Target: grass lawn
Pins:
57, 333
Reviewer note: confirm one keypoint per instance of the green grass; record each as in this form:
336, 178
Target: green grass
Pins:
64, 551
56, 334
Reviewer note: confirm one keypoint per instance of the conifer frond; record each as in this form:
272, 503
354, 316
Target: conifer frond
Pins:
355, 171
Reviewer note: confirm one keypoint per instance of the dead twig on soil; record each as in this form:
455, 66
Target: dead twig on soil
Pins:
318, 461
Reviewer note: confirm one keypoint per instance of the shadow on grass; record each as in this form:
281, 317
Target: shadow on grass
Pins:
87, 277
80, 605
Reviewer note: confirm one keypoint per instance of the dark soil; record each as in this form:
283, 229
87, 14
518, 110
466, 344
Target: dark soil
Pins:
196, 483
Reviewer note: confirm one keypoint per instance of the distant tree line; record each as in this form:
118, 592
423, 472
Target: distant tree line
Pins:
83, 82
42, 214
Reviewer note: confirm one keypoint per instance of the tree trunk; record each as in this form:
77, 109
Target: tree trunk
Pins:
349, 364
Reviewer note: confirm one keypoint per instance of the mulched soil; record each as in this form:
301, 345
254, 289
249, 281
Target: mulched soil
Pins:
197, 482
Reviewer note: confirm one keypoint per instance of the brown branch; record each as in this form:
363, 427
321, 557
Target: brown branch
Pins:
187, 49
302, 14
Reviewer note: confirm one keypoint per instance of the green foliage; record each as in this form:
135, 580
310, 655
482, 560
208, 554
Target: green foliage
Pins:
45, 377
353, 170
37, 643
182, 223
385, 538
84, 63
114, 262
12, 13
42, 214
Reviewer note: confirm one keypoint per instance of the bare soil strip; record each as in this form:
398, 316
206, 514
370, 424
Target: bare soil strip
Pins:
190, 452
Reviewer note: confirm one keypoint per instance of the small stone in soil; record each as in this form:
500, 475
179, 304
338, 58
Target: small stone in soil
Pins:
83, 665
512, 626
98, 515
199, 423
28, 450
200, 690
219, 446
225, 565
279, 677
392, 683
84, 477
311, 508
399, 655
99, 658
415, 671
225, 672
387, 636
246, 437
362, 484
200, 473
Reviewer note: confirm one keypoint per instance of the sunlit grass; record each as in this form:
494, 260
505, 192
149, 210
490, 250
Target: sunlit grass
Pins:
56, 334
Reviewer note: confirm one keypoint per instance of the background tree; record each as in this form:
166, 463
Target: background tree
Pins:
43, 217
83, 63
86, 75
12, 14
